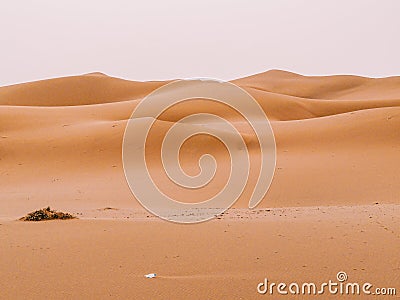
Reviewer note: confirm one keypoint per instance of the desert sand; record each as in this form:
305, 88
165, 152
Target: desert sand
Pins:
333, 204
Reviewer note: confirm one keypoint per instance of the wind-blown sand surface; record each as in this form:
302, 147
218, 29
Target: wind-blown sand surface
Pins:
333, 204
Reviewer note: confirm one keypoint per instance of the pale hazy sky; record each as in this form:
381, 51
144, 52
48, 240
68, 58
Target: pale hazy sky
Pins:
152, 40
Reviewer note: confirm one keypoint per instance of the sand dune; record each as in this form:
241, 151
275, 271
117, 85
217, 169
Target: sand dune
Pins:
333, 204
93, 88
344, 87
337, 140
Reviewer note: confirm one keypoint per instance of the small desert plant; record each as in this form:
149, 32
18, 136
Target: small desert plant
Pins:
46, 214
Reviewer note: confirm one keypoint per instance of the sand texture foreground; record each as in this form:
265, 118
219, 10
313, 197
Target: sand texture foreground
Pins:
333, 204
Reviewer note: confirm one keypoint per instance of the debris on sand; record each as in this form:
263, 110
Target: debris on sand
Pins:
46, 214
108, 208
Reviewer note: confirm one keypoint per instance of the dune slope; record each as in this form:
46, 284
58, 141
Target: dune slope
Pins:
338, 140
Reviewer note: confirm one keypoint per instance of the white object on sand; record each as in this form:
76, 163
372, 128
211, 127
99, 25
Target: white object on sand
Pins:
151, 275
